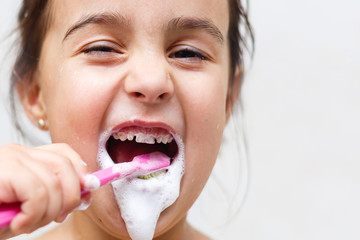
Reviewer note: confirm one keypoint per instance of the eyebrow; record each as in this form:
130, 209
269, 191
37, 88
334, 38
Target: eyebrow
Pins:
175, 24
185, 23
108, 18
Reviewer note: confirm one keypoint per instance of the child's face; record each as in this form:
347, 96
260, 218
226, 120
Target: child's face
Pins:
162, 64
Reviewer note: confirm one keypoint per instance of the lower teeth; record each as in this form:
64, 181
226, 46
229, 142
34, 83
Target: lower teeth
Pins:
152, 175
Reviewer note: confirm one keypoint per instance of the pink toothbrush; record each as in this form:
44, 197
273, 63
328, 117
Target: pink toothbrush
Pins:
140, 165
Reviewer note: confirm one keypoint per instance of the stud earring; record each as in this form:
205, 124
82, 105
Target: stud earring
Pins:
41, 123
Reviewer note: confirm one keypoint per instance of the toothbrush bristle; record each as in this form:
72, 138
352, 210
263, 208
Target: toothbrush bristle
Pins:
152, 161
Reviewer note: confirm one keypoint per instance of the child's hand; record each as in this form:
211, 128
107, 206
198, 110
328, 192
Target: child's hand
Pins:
46, 180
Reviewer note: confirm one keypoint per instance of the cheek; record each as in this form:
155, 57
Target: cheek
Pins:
205, 121
205, 110
75, 102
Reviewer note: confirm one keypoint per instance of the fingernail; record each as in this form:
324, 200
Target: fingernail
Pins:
84, 163
84, 204
91, 183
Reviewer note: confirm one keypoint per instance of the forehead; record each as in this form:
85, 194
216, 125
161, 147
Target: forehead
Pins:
145, 14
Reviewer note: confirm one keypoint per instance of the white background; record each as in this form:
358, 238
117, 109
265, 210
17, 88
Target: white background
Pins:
302, 112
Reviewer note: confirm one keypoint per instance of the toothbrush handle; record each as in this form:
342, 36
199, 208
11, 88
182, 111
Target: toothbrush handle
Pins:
7, 213
9, 210
105, 176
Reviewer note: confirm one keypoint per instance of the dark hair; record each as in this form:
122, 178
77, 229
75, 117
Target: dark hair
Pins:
33, 21
240, 35
35, 16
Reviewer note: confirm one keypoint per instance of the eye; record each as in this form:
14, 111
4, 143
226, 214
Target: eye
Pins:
102, 48
98, 49
188, 54
103, 52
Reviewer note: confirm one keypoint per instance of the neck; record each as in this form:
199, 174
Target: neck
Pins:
181, 231
80, 226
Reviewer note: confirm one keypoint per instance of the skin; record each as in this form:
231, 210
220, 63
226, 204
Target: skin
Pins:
138, 73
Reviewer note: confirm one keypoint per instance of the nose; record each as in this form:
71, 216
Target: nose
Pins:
149, 81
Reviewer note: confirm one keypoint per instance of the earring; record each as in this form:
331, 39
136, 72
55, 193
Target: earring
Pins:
41, 123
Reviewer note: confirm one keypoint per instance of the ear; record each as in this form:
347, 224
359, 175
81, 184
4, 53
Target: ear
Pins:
30, 95
234, 90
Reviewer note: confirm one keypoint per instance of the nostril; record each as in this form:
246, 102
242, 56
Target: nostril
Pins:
138, 94
162, 96
150, 98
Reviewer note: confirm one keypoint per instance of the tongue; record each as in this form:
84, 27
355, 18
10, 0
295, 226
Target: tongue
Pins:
126, 151
152, 161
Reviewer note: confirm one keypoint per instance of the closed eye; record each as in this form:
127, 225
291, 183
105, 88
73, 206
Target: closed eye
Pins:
103, 52
188, 53
101, 48
98, 49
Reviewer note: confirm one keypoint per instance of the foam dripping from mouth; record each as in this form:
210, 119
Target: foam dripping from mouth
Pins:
141, 202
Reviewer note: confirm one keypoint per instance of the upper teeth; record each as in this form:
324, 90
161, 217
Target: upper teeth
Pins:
140, 137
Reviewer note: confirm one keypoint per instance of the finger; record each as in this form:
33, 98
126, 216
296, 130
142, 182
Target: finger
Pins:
65, 150
5, 233
68, 178
32, 192
53, 188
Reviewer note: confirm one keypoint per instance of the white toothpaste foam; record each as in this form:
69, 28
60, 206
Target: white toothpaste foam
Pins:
91, 182
141, 201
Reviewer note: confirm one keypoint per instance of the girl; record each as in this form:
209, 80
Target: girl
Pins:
111, 80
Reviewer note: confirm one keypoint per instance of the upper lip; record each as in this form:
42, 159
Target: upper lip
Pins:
145, 124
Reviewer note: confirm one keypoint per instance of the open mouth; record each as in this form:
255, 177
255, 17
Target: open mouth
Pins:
126, 143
